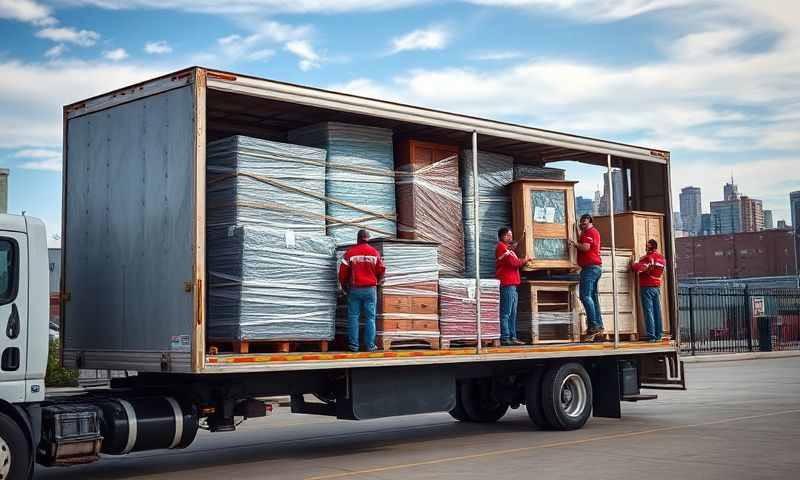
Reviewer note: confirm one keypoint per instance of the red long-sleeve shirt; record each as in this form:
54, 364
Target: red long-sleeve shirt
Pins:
507, 265
650, 269
361, 266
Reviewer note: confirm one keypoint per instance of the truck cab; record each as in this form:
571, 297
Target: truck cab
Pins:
24, 337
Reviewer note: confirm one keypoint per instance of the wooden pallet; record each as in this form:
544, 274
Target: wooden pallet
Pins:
269, 346
396, 342
609, 337
467, 342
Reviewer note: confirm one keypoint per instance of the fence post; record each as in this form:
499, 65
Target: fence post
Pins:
691, 320
748, 308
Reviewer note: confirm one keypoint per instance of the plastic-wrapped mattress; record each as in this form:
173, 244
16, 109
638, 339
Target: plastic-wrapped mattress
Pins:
457, 314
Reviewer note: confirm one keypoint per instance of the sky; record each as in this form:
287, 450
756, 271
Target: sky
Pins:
716, 82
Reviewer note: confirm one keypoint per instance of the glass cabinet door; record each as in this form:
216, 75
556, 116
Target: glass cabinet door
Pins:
549, 210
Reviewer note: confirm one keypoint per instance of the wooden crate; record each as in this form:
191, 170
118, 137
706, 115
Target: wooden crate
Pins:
540, 302
632, 230
544, 216
626, 295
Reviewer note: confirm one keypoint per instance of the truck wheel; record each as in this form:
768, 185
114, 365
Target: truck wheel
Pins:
479, 404
566, 396
458, 411
15, 451
533, 399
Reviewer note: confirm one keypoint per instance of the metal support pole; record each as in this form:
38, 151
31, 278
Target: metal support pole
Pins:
691, 320
613, 251
476, 202
795, 229
748, 326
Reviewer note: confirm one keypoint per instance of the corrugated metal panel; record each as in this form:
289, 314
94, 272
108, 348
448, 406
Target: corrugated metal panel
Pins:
129, 226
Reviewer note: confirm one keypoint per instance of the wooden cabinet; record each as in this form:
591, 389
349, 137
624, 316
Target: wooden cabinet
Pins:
626, 295
544, 222
546, 312
632, 231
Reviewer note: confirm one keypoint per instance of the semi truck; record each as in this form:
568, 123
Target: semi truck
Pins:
134, 290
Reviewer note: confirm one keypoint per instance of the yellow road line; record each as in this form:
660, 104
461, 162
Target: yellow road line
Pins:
542, 446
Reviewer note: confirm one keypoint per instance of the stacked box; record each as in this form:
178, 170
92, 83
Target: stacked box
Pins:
359, 185
259, 182
457, 314
269, 284
495, 174
522, 170
408, 296
429, 201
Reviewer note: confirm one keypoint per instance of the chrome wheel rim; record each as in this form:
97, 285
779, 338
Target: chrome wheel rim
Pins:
5, 459
573, 395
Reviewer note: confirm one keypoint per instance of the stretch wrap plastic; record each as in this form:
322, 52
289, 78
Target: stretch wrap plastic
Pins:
430, 200
269, 284
522, 170
259, 182
457, 314
495, 174
359, 183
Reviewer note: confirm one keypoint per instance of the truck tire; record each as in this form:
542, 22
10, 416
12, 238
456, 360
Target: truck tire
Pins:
480, 406
533, 399
566, 396
15, 451
458, 411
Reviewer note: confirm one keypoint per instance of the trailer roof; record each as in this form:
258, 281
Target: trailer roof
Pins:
310, 105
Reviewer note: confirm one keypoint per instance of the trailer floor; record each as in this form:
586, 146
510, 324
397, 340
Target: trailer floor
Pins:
739, 420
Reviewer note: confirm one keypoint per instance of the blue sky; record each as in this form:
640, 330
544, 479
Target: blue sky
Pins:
715, 82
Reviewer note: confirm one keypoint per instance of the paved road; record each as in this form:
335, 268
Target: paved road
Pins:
739, 420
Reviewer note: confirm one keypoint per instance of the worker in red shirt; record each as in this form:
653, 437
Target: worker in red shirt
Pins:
588, 247
360, 273
507, 266
650, 269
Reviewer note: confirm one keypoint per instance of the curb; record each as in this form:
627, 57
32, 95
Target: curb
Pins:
733, 357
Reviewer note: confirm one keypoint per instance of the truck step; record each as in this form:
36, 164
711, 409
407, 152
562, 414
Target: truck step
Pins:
638, 397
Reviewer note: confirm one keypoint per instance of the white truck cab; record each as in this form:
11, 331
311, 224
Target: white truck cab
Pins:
24, 324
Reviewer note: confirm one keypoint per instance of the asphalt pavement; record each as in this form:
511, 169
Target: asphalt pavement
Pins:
738, 420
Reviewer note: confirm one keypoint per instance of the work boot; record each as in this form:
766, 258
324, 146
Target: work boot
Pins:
514, 341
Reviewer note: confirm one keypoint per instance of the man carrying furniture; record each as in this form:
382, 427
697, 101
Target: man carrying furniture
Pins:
359, 274
507, 266
650, 269
588, 246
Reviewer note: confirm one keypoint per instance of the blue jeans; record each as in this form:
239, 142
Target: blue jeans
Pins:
651, 306
508, 313
359, 299
590, 277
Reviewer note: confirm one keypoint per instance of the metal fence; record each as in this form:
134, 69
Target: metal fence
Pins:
721, 319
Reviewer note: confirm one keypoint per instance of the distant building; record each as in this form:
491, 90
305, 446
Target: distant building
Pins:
706, 226
619, 192
752, 214
726, 217
4, 172
598, 197
768, 224
691, 209
677, 222
748, 254
731, 191
583, 206
782, 225
794, 207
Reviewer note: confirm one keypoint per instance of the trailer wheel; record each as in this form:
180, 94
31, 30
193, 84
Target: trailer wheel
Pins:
567, 396
458, 411
533, 399
479, 403
15, 451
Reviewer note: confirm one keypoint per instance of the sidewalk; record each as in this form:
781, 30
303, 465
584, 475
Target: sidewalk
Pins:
733, 357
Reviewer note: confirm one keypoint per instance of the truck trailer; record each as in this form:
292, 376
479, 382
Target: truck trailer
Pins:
134, 288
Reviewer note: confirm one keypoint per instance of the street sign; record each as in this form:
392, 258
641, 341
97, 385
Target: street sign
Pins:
758, 306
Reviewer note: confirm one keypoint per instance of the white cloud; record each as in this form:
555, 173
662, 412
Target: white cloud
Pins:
254, 7
590, 10
309, 59
497, 55
40, 159
157, 48
84, 38
116, 55
259, 45
26, 11
432, 38
56, 51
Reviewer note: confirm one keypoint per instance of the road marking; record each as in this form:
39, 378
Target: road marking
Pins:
542, 446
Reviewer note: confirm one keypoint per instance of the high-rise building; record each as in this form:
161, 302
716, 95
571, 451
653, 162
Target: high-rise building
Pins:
752, 214
706, 225
677, 221
598, 197
794, 208
726, 217
4, 172
768, 222
731, 191
619, 192
782, 225
583, 206
691, 209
